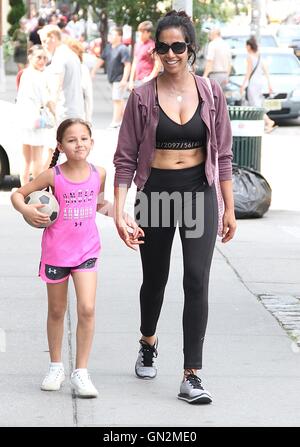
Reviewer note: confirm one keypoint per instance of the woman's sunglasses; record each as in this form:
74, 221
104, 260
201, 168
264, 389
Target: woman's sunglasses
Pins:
176, 47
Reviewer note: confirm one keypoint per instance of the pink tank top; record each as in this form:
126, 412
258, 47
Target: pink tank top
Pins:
74, 237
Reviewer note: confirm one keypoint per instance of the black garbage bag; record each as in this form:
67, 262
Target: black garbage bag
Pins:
252, 193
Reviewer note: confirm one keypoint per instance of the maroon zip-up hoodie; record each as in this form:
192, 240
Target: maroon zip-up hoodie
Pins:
136, 143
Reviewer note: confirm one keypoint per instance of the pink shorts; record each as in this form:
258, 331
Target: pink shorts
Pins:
53, 274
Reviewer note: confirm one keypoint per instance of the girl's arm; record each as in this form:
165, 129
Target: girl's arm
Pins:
107, 209
103, 206
31, 212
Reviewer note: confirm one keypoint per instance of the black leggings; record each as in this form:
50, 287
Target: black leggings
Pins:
197, 251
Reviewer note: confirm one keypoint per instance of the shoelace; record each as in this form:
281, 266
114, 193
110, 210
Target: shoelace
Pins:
195, 381
84, 378
53, 370
148, 352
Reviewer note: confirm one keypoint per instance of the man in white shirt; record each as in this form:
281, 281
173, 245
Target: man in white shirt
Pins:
218, 59
65, 75
75, 27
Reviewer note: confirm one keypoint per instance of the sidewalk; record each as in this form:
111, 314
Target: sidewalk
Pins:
251, 366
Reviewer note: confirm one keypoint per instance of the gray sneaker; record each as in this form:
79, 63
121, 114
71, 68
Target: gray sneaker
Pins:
192, 391
144, 367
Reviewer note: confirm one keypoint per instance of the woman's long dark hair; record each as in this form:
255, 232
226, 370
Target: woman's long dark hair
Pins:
64, 125
252, 42
179, 19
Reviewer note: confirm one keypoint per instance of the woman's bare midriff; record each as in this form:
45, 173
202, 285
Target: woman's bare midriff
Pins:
177, 159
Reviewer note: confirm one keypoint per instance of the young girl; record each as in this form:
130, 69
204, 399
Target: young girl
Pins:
71, 246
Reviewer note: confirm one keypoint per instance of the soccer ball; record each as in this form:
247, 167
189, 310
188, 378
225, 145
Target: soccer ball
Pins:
51, 206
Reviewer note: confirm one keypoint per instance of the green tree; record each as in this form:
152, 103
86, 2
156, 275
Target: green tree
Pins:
214, 11
127, 12
16, 12
132, 12
100, 10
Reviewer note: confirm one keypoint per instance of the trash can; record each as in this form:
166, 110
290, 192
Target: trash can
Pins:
247, 126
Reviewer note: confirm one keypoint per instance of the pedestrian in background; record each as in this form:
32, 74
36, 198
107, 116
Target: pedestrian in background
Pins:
65, 70
175, 132
145, 65
65, 80
256, 73
75, 27
34, 37
33, 94
218, 59
117, 59
70, 247
62, 26
86, 80
20, 41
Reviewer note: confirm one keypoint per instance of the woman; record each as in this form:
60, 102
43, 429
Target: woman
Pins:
20, 40
256, 71
33, 94
86, 80
171, 132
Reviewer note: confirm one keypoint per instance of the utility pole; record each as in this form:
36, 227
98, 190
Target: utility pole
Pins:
186, 5
256, 18
2, 72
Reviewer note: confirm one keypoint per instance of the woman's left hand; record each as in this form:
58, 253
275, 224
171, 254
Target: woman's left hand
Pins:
229, 226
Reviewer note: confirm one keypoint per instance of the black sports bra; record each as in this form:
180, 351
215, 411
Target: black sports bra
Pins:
173, 136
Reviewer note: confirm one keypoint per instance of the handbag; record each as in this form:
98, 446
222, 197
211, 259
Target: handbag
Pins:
221, 206
45, 120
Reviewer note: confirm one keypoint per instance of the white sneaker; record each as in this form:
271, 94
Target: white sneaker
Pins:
82, 384
192, 391
54, 377
144, 366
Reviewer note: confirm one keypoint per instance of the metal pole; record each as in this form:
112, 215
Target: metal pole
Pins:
2, 72
255, 18
186, 5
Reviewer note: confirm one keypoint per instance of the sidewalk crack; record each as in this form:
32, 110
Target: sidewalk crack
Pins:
284, 308
236, 272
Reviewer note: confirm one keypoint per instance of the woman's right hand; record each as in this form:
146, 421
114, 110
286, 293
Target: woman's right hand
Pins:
130, 85
130, 239
35, 217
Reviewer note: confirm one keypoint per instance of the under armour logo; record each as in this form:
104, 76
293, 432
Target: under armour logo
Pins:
78, 224
50, 270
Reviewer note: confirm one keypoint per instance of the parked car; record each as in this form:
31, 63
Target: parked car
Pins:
235, 40
10, 142
284, 69
289, 35
239, 40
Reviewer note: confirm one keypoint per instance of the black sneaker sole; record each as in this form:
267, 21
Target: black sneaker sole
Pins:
198, 400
